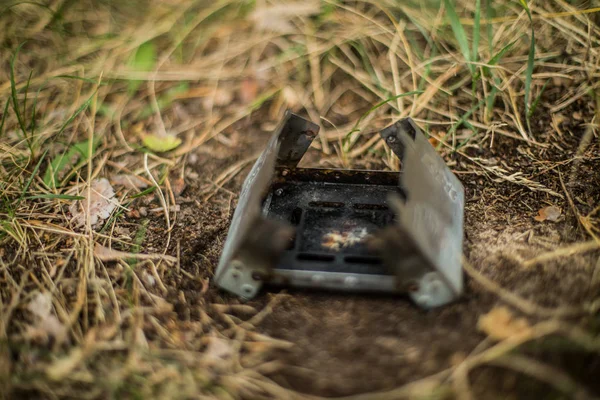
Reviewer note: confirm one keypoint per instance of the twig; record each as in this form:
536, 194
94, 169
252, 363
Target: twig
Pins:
556, 378
106, 254
567, 251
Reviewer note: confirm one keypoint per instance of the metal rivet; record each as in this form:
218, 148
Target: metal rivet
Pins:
257, 276
279, 192
248, 289
285, 172
391, 139
413, 287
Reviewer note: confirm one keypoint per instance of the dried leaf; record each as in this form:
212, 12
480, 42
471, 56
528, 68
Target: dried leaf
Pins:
46, 324
500, 324
102, 204
41, 305
160, 143
129, 181
277, 17
550, 213
178, 186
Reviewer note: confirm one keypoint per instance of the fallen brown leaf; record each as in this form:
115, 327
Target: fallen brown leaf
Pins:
434, 142
102, 203
550, 213
178, 186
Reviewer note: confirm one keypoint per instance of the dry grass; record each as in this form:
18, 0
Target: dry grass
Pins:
75, 80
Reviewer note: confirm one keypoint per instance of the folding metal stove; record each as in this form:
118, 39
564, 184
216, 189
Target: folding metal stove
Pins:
349, 230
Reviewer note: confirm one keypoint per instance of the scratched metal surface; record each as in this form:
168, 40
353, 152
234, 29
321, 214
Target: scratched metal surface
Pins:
433, 210
291, 131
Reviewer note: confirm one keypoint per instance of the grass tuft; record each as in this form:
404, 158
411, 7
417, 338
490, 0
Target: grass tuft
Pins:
530, 65
460, 34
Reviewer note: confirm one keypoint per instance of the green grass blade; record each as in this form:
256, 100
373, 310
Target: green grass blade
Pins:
364, 57
490, 100
13, 89
43, 85
376, 106
79, 78
32, 177
489, 14
165, 99
81, 108
459, 33
55, 196
26, 92
497, 57
537, 100
144, 60
464, 121
476, 31
143, 193
530, 64
529, 73
59, 163
4, 116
